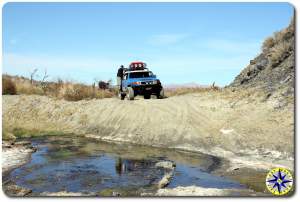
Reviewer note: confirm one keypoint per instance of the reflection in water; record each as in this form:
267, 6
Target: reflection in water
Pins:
119, 166
80, 164
130, 165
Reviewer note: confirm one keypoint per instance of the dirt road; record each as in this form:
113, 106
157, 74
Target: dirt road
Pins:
237, 126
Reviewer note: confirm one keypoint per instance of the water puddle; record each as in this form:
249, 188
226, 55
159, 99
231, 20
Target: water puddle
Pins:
75, 164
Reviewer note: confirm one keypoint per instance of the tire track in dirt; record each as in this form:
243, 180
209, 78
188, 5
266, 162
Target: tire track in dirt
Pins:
192, 122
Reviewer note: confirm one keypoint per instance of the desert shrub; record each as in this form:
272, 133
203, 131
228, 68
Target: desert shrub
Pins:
78, 92
99, 94
279, 52
114, 91
282, 36
53, 89
29, 89
75, 92
268, 43
8, 86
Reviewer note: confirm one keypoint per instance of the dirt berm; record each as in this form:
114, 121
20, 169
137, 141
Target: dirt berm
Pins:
238, 125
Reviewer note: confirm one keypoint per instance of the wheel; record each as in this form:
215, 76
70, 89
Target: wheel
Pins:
122, 96
160, 94
130, 93
147, 96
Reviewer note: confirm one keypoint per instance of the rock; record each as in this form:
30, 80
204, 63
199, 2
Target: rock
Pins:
226, 131
65, 193
169, 167
116, 193
24, 143
166, 165
145, 194
165, 180
14, 155
34, 149
121, 191
286, 79
9, 136
279, 103
201, 191
14, 190
7, 144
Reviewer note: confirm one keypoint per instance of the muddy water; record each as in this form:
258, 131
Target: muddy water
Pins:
75, 164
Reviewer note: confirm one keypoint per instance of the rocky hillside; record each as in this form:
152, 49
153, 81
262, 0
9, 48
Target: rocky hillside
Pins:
273, 70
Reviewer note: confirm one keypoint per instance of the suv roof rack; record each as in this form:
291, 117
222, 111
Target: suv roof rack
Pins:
137, 70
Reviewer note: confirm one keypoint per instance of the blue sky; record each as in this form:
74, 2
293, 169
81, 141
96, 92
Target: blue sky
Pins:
180, 42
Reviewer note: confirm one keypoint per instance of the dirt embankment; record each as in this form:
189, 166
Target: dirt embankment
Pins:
242, 125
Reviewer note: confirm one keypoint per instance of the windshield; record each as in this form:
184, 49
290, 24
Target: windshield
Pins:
140, 74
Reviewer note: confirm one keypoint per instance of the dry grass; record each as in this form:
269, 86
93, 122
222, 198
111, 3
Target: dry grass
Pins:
28, 88
75, 92
60, 89
169, 92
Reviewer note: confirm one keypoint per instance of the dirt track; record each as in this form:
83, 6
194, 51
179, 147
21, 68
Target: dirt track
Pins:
244, 130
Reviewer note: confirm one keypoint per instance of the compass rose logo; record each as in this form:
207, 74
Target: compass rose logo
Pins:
279, 181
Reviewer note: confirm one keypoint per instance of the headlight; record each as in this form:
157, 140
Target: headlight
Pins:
136, 83
155, 82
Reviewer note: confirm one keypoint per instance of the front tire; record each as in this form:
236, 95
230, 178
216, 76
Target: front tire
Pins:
147, 96
161, 94
122, 96
130, 93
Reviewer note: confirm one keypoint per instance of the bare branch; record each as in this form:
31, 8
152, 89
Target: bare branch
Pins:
43, 82
32, 75
45, 76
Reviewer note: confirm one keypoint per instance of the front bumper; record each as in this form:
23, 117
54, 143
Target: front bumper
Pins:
146, 89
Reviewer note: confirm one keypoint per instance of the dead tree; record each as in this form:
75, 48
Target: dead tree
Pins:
43, 81
45, 76
214, 87
32, 75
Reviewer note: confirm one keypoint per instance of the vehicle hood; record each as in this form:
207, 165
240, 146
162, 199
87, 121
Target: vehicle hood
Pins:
142, 79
